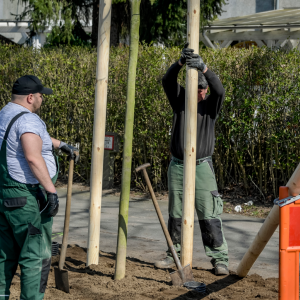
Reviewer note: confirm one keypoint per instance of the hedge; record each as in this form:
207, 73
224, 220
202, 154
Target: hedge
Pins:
257, 132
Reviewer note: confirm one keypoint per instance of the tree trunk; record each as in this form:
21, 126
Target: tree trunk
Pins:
95, 23
114, 31
128, 136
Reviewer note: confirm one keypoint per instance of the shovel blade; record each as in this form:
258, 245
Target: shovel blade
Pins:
188, 276
62, 280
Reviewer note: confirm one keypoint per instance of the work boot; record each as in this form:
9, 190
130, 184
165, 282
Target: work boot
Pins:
221, 269
165, 263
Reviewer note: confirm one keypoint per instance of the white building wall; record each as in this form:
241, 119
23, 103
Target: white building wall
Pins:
289, 3
236, 8
7, 7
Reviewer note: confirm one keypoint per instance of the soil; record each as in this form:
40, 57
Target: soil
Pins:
144, 281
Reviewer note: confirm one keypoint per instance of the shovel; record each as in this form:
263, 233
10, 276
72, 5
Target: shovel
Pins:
184, 274
61, 275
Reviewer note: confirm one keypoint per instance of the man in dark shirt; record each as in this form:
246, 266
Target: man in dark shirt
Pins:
208, 202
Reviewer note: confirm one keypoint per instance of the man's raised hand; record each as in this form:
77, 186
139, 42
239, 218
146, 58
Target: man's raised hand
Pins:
185, 53
195, 61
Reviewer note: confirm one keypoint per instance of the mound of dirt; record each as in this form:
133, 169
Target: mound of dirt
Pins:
143, 281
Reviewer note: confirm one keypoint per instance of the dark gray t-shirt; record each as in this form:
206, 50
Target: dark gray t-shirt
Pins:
18, 167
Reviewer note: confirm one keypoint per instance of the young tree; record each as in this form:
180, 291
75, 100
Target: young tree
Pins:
128, 137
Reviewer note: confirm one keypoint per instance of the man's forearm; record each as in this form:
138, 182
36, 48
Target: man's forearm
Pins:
214, 83
39, 169
171, 75
55, 143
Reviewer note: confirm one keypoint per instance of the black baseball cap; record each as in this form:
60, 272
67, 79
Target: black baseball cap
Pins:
29, 84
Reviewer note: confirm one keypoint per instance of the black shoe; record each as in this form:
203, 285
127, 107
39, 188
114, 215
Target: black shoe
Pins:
168, 262
221, 269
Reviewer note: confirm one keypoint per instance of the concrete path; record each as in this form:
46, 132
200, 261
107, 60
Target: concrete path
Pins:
145, 237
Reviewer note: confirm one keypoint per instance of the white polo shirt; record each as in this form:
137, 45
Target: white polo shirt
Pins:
17, 165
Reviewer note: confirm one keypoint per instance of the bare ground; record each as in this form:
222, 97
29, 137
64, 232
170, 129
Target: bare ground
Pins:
144, 281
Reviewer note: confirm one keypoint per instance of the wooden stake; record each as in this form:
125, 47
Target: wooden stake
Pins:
99, 131
190, 134
268, 228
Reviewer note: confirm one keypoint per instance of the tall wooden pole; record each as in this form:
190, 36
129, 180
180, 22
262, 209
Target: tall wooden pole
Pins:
99, 131
267, 229
128, 137
190, 134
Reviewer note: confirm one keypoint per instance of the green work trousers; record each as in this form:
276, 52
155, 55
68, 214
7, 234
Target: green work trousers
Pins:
208, 204
25, 235
25, 239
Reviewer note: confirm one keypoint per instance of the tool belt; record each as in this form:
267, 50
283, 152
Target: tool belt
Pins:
198, 161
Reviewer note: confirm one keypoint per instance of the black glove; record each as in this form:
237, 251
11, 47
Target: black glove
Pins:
185, 53
195, 61
69, 150
42, 201
53, 204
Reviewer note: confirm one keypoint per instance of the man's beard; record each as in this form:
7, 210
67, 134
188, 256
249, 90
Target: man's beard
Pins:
36, 109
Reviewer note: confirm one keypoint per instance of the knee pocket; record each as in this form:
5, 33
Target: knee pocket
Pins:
217, 203
209, 204
34, 241
211, 230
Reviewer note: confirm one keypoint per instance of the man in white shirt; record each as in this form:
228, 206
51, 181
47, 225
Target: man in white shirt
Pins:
28, 166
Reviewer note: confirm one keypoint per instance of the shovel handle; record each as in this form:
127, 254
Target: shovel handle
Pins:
162, 221
64, 246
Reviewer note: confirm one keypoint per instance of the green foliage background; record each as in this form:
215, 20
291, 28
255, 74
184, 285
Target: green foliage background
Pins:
162, 21
257, 132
